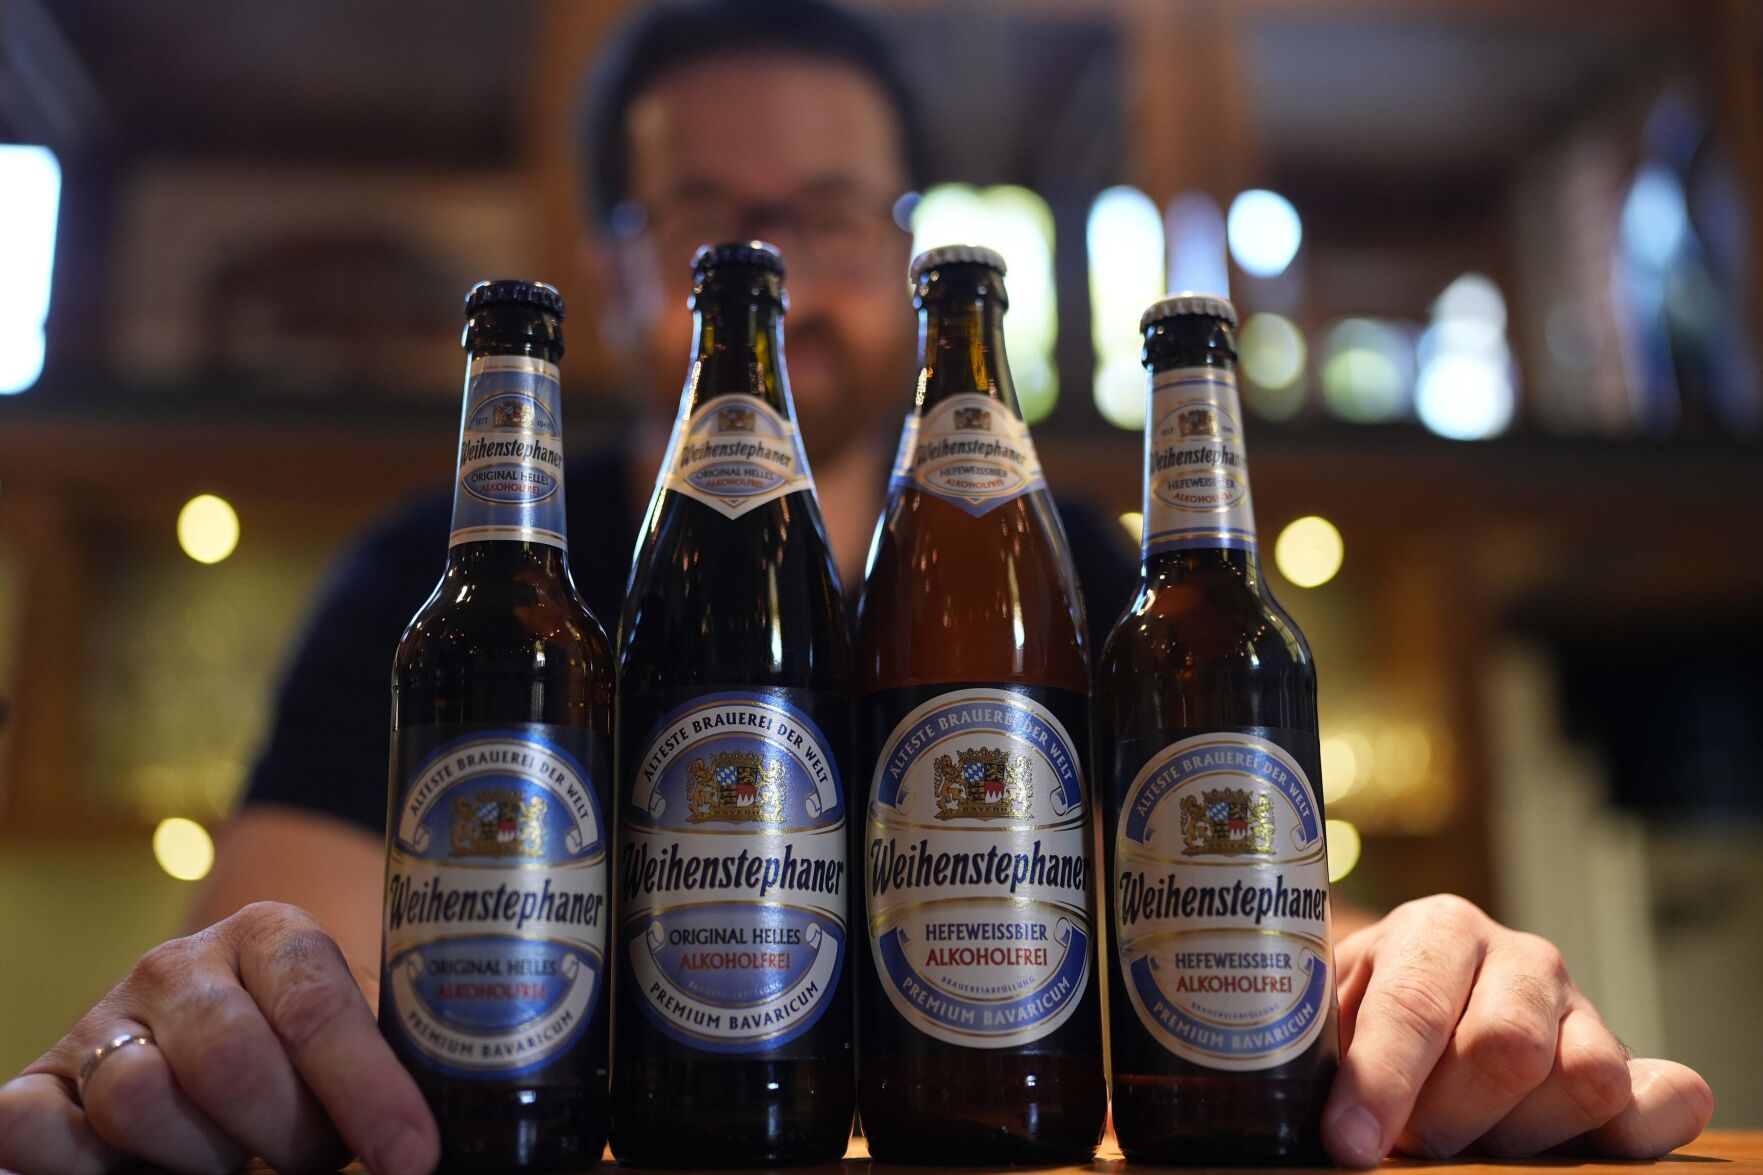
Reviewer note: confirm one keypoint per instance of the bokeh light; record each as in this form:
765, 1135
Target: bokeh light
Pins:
1309, 551
1465, 387
1272, 354
1120, 392
1354, 763
1124, 238
1272, 350
1340, 768
1404, 755
1471, 312
1133, 522
1344, 847
30, 202
183, 848
1368, 371
1655, 217
208, 528
1264, 232
1194, 224
1465, 397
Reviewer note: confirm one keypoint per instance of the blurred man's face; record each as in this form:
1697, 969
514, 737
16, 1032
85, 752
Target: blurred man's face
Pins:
804, 154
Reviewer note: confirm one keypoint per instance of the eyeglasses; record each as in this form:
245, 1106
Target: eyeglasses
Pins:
837, 233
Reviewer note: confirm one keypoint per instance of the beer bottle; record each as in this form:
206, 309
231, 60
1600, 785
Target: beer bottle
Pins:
1224, 1026
733, 1038
493, 972
980, 1031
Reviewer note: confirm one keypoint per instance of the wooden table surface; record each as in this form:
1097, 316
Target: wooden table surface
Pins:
1735, 1152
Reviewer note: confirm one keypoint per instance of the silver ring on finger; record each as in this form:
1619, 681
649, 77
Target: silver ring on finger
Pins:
114, 1044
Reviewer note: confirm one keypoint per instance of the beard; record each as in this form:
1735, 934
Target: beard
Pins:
840, 400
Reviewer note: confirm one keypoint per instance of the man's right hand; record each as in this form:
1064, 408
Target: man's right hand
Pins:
262, 1045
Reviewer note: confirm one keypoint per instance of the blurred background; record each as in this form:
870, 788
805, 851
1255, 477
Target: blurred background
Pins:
1498, 262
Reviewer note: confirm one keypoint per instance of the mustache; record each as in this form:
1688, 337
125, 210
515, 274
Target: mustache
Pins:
820, 332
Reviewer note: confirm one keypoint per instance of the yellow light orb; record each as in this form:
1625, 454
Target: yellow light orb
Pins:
208, 528
1309, 551
1344, 846
183, 848
1273, 351
1340, 768
1134, 524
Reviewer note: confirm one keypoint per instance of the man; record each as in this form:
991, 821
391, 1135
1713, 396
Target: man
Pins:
717, 120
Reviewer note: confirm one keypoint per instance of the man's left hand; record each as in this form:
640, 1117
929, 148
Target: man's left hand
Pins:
1460, 1034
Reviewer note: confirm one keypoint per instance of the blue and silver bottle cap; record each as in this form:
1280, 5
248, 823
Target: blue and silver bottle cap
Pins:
514, 292
1188, 303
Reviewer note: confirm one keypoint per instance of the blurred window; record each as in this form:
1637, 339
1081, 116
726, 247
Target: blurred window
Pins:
30, 199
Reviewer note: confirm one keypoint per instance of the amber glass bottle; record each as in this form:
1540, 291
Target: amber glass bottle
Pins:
493, 973
980, 1029
1223, 1020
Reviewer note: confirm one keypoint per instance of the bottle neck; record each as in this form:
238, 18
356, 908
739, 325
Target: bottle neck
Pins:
738, 347
965, 440
735, 446
508, 500
961, 350
1198, 511
1211, 562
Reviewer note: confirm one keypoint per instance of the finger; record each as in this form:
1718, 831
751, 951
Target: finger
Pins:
1670, 1107
133, 1103
42, 1128
299, 979
1419, 984
1353, 967
229, 1061
1502, 1048
1588, 1086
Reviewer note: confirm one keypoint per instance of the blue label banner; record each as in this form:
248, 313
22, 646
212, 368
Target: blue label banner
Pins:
733, 866
1272, 1036
1219, 901
1004, 1018
497, 904
976, 868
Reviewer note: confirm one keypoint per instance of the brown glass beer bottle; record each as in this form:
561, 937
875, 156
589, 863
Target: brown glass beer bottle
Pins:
980, 1027
732, 1044
493, 970
1223, 1021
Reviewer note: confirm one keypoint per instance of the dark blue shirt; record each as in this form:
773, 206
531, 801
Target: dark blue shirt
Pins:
328, 745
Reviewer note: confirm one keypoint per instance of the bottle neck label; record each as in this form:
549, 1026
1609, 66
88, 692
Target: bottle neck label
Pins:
497, 897
510, 479
1220, 902
732, 871
1196, 474
734, 453
970, 450
976, 866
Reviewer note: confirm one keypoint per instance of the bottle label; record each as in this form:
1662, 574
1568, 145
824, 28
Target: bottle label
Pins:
1221, 902
977, 869
1196, 476
736, 453
496, 901
970, 450
733, 873
510, 483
